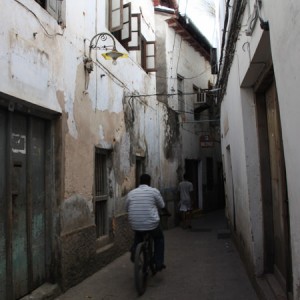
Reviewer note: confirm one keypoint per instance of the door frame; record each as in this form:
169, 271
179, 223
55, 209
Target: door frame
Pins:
191, 169
266, 185
30, 111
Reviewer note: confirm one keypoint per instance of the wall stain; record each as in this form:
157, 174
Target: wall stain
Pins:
172, 136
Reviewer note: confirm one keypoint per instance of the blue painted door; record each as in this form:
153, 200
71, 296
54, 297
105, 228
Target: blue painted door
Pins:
23, 222
3, 209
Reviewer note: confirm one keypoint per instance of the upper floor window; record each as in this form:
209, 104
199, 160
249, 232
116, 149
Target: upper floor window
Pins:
53, 7
126, 28
169, 3
148, 55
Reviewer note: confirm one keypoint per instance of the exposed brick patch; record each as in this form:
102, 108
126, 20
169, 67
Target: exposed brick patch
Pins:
77, 256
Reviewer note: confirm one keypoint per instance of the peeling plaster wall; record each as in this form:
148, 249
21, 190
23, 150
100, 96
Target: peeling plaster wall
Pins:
45, 67
29, 66
177, 57
181, 140
42, 64
197, 70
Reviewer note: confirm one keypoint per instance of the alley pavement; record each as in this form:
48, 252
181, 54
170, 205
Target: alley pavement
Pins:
202, 263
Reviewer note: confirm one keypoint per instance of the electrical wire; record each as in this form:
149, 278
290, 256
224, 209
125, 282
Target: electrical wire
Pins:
39, 21
228, 55
110, 74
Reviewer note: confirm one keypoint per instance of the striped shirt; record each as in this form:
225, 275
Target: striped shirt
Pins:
142, 205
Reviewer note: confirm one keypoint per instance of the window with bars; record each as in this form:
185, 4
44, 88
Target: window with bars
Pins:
101, 193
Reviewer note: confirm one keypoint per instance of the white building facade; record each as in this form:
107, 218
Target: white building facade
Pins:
184, 78
259, 75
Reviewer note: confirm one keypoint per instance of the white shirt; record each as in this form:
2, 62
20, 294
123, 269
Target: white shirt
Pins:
142, 205
185, 187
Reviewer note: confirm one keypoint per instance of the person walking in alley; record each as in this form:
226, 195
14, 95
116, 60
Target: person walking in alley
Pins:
185, 190
143, 204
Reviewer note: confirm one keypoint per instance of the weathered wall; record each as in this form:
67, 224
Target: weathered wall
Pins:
238, 107
79, 255
245, 168
27, 62
178, 57
77, 228
285, 31
43, 64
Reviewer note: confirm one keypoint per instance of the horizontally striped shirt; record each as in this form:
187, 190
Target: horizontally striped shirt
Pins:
142, 205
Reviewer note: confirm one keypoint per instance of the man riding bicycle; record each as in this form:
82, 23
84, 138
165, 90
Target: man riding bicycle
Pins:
143, 204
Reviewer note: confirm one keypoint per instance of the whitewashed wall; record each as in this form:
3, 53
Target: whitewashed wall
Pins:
239, 125
285, 43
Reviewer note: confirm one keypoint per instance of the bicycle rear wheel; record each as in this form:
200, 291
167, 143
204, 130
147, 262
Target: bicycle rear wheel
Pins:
140, 269
152, 265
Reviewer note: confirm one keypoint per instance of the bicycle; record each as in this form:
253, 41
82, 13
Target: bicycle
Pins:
144, 263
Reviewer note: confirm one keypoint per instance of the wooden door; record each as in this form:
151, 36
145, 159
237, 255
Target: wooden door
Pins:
23, 208
18, 217
278, 189
3, 208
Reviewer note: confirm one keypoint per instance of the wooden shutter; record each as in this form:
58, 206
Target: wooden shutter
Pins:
53, 7
135, 42
126, 30
150, 56
115, 15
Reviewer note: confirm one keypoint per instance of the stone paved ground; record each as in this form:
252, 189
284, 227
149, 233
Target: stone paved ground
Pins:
202, 263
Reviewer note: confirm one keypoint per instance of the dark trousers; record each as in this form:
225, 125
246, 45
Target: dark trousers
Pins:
159, 244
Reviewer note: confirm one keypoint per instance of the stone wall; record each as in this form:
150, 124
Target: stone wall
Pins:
79, 256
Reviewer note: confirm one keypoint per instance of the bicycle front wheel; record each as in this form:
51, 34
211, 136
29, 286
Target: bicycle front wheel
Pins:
140, 269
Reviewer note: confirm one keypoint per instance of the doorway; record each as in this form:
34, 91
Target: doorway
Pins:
139, 169
25, 211
192, 171
277, 250
230, 189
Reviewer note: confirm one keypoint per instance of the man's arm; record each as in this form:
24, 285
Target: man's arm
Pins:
160, 203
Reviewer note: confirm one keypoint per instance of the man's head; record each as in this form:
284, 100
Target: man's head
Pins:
145, 179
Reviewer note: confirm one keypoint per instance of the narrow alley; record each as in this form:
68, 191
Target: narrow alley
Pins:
202, 263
